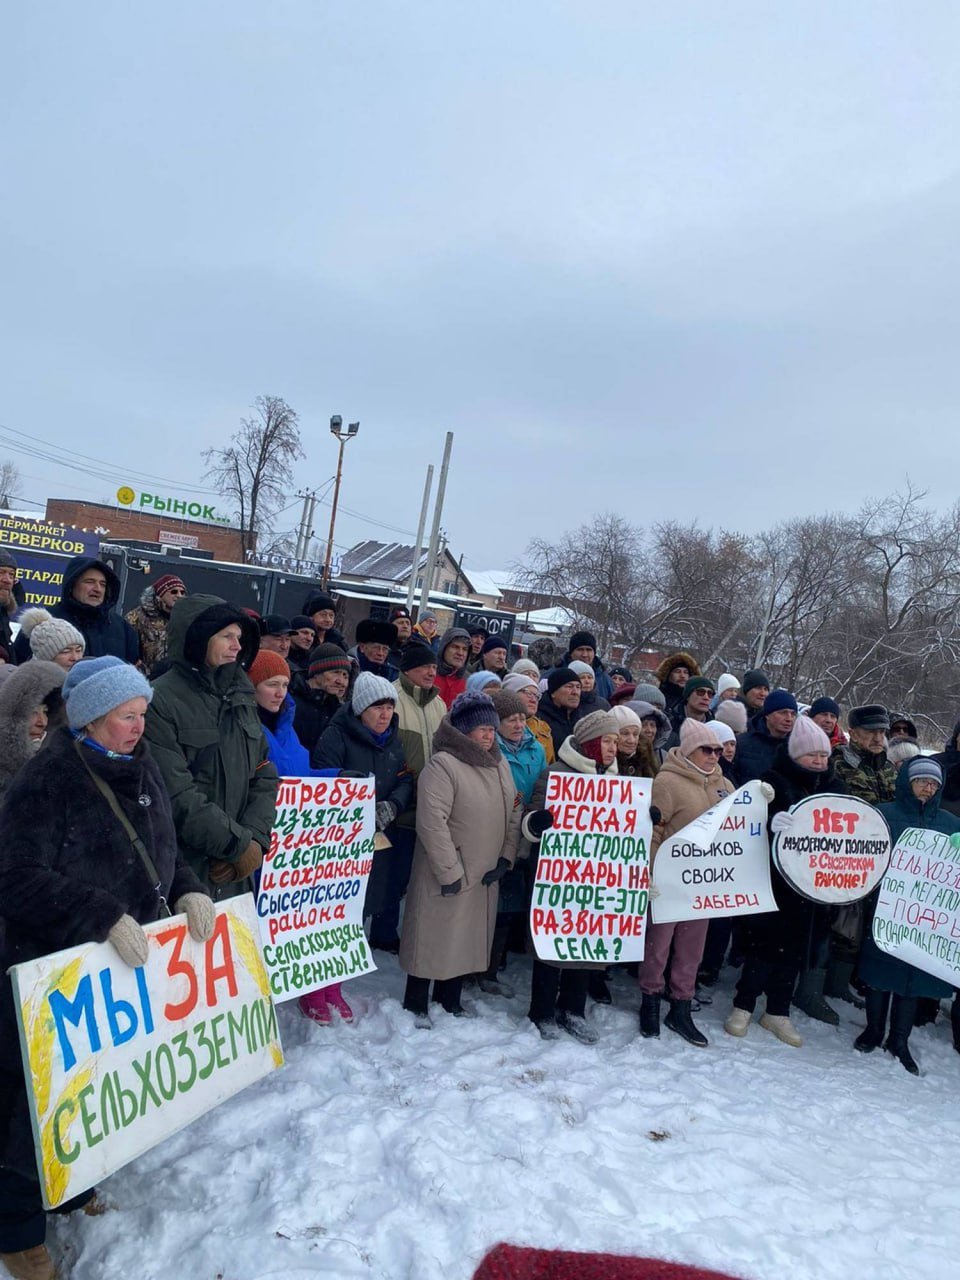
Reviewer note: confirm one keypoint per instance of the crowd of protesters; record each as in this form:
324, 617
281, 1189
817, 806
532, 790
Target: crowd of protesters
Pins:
140, 760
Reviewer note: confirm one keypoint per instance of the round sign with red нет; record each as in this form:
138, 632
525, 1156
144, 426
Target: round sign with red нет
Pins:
832, 849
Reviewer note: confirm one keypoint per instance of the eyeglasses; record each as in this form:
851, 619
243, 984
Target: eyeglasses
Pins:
711, 751
176, 591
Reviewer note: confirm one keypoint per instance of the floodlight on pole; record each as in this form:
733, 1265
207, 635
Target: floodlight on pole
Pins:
336, 429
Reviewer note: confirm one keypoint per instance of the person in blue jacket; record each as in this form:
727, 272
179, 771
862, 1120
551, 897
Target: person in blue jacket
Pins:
916, 803
270, 677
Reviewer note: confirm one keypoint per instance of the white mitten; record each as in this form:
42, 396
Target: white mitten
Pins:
654, 892
781, 822
201, 917
130, 942
767, 792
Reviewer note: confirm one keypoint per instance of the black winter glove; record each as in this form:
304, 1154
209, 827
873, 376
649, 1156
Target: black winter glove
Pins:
498, 872
448, 890
655, 815
539, 822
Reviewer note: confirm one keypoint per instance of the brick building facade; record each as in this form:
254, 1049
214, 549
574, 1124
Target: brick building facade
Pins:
119, 522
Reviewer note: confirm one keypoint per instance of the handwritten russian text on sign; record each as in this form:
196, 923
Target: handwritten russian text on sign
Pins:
591, 888
117, 1059
835, 850
313, 882
918, 907
717, 865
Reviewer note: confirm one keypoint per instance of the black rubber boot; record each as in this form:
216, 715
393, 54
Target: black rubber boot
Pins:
955, 1022
837, 985
650, 1016
878, 1005
901, 1024
679, 1020
597, 987
808, 997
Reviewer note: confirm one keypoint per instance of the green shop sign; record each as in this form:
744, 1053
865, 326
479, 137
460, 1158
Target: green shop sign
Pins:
164, 504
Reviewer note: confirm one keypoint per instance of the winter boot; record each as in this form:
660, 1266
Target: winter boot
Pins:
576, 1026
808, 997
955, 1022
650, 1017
30, 1264
548, 1029
315, 1007
901, 1024
878, 1005
597, 987
490, 982
336, 1002
837, 985
495, 987
679, 1020
738, 1022
782, 1028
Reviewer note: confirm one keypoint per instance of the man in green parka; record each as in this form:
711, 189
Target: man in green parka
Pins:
205, 735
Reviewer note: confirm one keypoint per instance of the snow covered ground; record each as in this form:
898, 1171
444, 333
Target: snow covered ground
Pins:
385, 1152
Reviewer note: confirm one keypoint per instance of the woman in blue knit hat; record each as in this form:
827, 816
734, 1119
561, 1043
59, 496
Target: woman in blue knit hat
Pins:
69, 874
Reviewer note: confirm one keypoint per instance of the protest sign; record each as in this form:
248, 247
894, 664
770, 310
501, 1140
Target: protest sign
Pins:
591, 887
312, 884
918, 907
717, 865
835, 850
116, 1059
42, 550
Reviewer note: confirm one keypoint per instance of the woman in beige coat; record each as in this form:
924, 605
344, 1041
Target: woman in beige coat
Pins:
468, 824
689, 783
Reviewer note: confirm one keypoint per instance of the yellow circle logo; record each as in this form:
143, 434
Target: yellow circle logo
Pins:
125, 496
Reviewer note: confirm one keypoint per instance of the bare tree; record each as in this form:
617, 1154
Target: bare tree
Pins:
255, 471
9, 484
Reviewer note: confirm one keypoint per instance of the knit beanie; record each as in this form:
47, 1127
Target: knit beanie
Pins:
897, 752
327, 657
779, 700
48, 635
698, 682
559, 677
416, 655
693, 734
755, 680
507, 704
317, 601
479, 680
300, 622
924, 767
581, 668
493, 642
516, 681
625, 718
6, 560
579, 639
806, 736
649, 693
824, 706
623, 694
471, 710
369, 689
727, 681
722, 732
733, 713
595, 725
266, 665
97, 685
526, 667
166, 581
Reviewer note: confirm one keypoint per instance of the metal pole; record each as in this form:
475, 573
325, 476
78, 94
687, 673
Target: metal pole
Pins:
435, 531
309, 533
419, 543
333, 517
301, 532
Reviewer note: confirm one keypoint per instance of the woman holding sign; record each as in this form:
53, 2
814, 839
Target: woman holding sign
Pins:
78, 828
893, 986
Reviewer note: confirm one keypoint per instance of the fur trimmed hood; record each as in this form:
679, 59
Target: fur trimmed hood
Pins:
20, 694
679, 659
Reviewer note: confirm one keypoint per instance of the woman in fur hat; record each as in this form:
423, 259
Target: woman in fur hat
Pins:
29, 698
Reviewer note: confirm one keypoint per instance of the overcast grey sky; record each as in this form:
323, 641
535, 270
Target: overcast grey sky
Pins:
685, 260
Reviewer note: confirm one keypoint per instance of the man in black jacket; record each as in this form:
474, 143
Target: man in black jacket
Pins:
560, 705
90, 591
8, 580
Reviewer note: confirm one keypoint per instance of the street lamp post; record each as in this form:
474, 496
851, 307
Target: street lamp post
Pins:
336, 429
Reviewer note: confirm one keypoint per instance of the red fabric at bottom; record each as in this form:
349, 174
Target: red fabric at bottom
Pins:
509, 1262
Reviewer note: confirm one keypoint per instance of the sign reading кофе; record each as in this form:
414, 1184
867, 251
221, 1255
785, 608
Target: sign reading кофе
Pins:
167, 505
